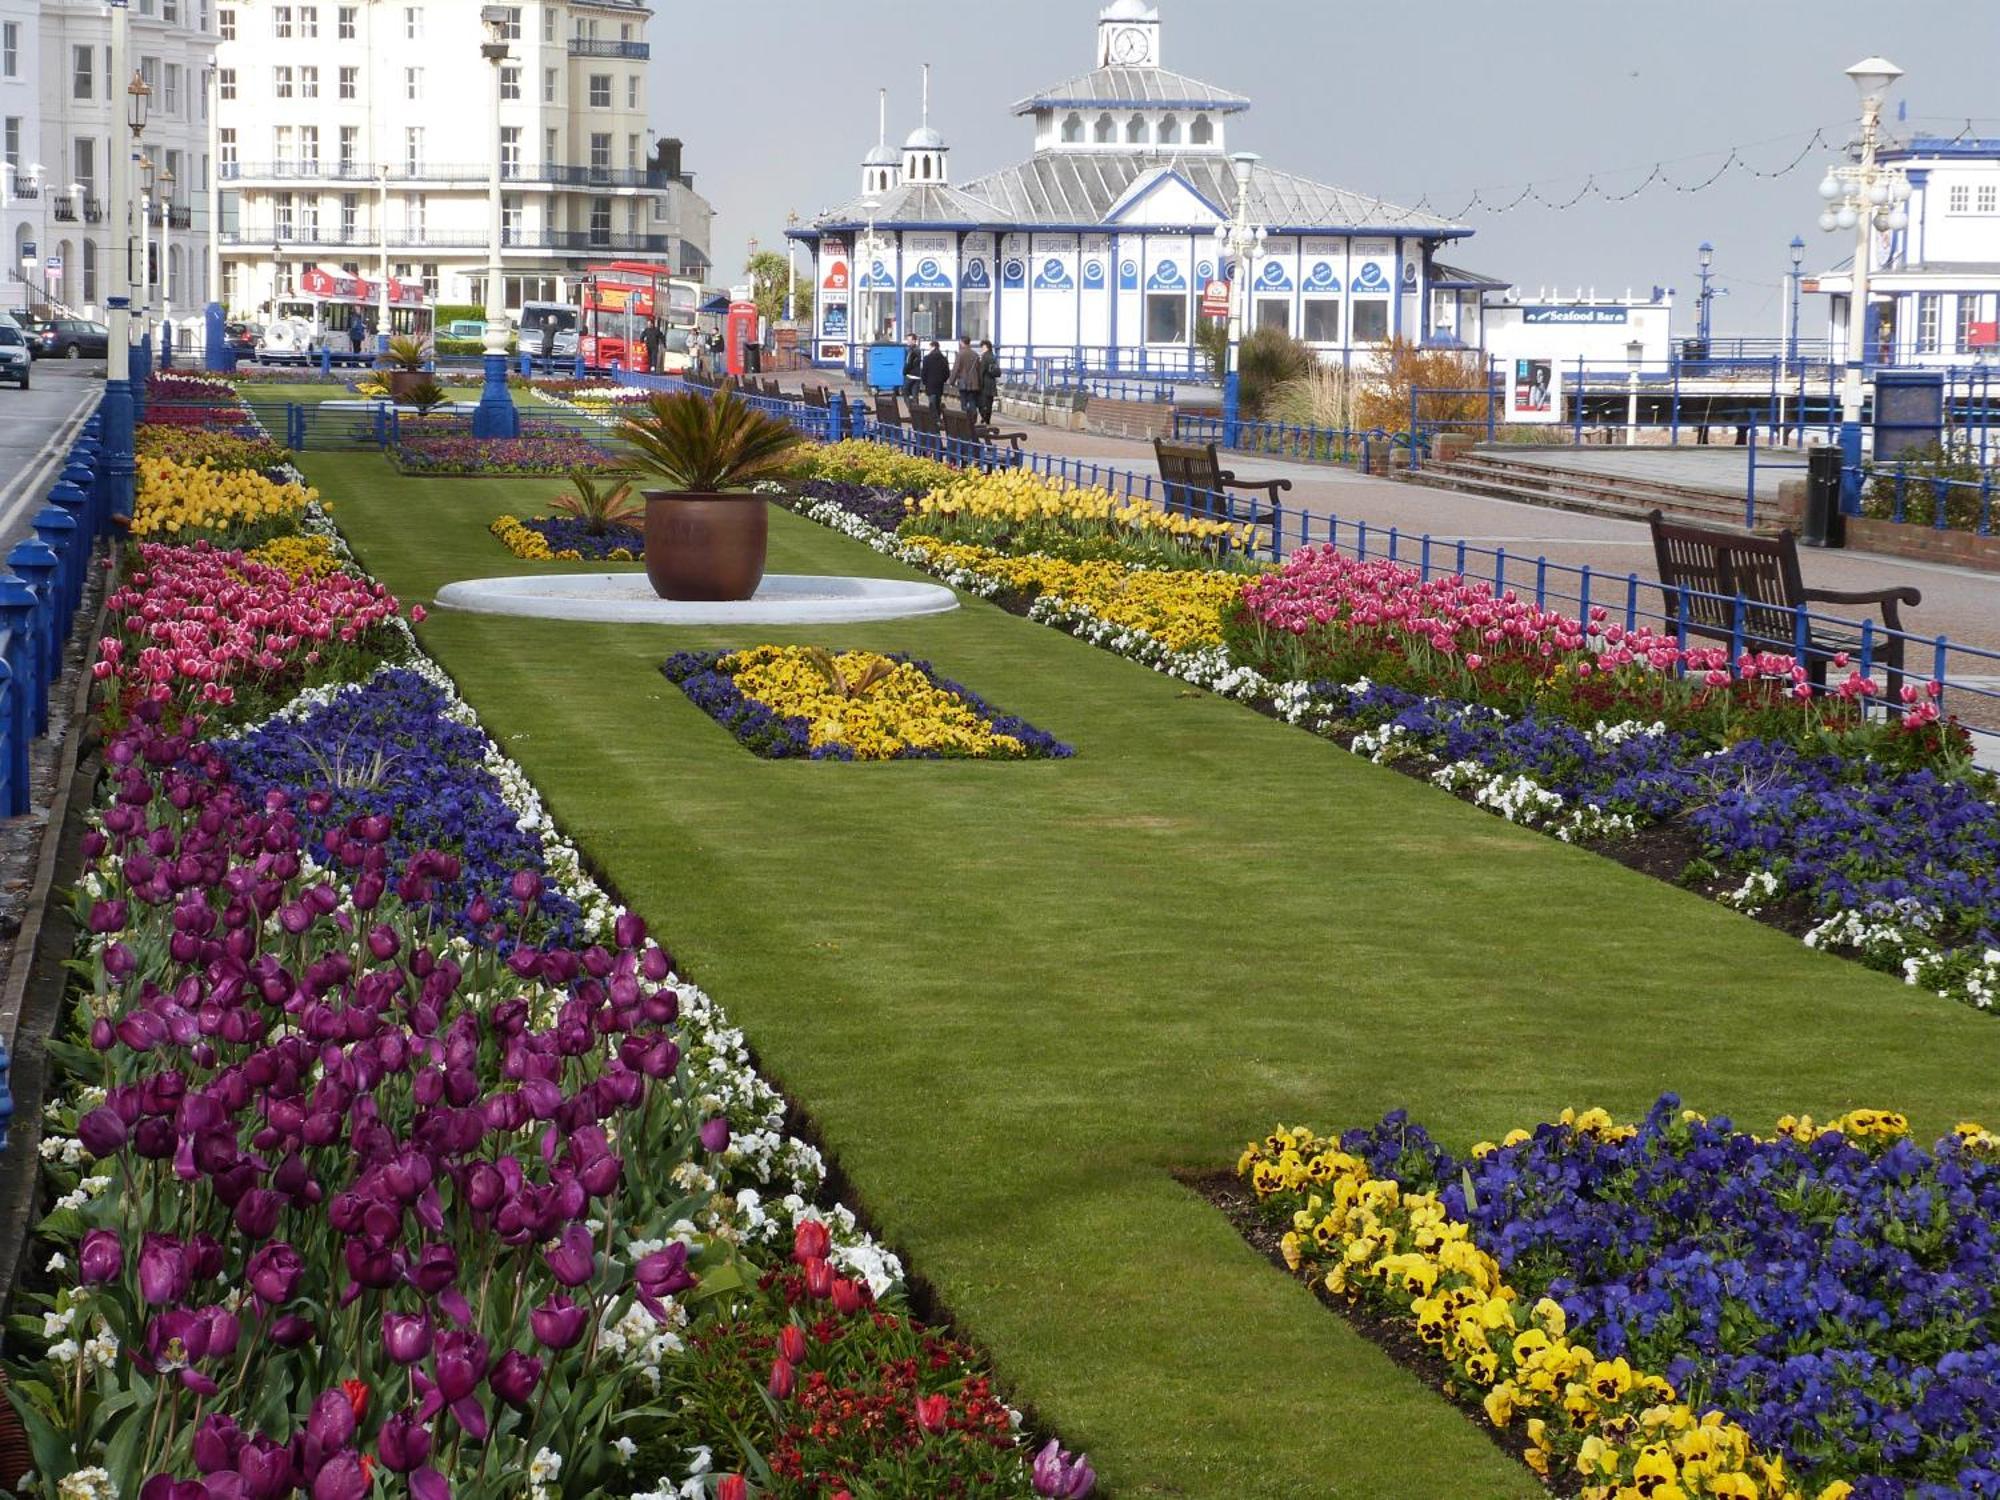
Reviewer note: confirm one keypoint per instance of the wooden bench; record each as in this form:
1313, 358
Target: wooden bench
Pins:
887, 411
959, 428
927, 437
1711, 570
1195, 483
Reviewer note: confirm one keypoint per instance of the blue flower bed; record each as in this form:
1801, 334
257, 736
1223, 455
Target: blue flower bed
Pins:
567, 534
777, 736
1845, 835
389, 744
1838, 1296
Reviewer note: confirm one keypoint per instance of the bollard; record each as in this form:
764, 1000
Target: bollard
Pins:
75, 502
6, 1094
325, 359
17, 613
13, 777
36, 565
57, 530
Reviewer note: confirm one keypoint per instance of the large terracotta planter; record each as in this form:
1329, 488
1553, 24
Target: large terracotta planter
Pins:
705, 546
402, 382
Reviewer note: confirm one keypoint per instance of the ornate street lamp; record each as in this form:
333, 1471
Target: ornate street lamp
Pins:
496, 416
1240, 241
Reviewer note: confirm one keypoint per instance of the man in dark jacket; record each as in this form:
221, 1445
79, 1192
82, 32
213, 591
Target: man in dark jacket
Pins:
653, 340
913, 367
989, 380
965, 376
936, 375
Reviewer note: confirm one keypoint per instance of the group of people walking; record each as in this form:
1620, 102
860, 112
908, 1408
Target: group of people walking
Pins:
973, 373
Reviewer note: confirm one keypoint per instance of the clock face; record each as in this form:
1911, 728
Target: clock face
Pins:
1130, 45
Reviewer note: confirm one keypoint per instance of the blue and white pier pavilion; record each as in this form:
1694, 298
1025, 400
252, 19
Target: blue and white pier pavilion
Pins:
1093, 252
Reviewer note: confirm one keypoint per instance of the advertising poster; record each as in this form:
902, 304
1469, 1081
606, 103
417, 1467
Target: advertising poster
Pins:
1535, 396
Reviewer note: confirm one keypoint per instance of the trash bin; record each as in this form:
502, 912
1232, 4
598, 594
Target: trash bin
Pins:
1825, 526
1694, 351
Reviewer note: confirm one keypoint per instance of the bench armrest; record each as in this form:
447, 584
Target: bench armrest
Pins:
1904, 595
1270, 486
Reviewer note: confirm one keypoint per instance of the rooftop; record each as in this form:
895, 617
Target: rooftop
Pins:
1114, 88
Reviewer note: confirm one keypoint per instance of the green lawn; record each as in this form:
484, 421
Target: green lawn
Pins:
1017, 997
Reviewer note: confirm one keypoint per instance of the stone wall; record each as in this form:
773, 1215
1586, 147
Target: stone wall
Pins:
1964, 549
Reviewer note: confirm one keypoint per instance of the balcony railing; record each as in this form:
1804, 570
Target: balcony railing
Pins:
561, 241
584, 47
365, 173
63, 210
178, 216
27, 190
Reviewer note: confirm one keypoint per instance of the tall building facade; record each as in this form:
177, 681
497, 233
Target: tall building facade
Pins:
356, 136
63, 114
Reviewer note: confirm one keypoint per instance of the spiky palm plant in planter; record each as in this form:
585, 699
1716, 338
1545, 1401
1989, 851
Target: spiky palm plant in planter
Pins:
705, 533
601, 501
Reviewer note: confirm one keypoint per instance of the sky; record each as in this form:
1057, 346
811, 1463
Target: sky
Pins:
1477, 95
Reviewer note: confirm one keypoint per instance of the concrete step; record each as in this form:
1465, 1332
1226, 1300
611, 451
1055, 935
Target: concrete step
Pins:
1522, 471
1616, 501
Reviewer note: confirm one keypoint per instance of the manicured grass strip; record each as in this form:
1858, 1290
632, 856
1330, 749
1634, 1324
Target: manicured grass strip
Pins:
1017, 997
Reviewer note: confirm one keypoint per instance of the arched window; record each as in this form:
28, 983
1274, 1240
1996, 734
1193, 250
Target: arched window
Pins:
1106, 131
1072, 129
1170, 130
1202, 132
89, 270
924, 169
1135, 130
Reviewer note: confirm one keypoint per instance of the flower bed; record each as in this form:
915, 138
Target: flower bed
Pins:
792, 702
1680, 1308
1018, 511
453, 455
214, 447
857, 461
565, 539
175, 499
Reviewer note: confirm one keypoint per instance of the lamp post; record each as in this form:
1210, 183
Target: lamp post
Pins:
791, 268
166, 269
1705, 303
867, 261
1862, 197
119, 468
496, 416
145, 304
1798, 248
1240, 241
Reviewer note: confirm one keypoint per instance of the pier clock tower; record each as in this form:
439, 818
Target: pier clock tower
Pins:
1128, 35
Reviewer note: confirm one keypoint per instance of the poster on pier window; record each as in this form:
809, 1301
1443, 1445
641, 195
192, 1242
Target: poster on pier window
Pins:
1534, 391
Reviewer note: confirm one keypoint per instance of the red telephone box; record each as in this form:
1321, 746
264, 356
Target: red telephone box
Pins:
739, 335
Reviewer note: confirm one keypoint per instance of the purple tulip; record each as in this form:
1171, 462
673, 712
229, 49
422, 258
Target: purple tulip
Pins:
574, 1261
216, 1443
257, 1213
102, 1131
559, 1322
341, 1478
515, 1377
331, 1421
291, 1331
164, 1274
407, 1336
1056, 1473
275, 1272
109, 916
404, 1443
224, 1330
100, 1258
715, 1134
661, 1275
525, 887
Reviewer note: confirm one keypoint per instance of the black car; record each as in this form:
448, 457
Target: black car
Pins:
242, 337
72, 338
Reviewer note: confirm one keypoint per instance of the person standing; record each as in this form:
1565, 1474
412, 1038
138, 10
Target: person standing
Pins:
936, 376
652, 341
989, 381
913, 368
965, 376
357, 332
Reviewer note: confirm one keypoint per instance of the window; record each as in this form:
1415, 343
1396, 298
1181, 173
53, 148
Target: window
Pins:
1170, 130
309, 149
600, 91
1928, 317
308, 22
201, 176
413, 148
81, 75
309, 217
625, 31
510, 151
350, 216
1072, 128
10, 50
350, 83
350, 141
90, 270
225, 82
346, 22
1969, 309
170, 96
13, 141
510, 218
632, 91
1371, 320
511, 27
1166, 317
600, 155
600, 221
86, 165
632, 152
1275, 312
281, 83
281, 213
308, 83
510, 83
281, 147
1320, 320
548, 23
281, 22
413, 83
415, 212
226, 20
1135, 131
429, 273
549, 149
1959, 200
1202, 132
413, 23
225, 140
1987, 198
548, 85
1105, 131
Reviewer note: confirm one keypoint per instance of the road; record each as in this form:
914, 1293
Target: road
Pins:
28, 420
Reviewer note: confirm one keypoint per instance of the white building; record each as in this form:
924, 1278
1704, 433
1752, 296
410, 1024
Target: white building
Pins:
356, 136
69, 114
1098, 245
1932, 287
1605, 333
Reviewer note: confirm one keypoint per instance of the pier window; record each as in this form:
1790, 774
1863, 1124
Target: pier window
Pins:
1319, 320
1166, 317
1275, 312
1135, 131
1072, 130
928, 315
1928, 317
1959, 199
1105, 132
1970, 305
1170, 131
1371, 320
1202, 132
1988, 197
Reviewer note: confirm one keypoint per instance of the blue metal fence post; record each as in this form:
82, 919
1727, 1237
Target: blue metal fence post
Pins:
1750, 489
58, 532
13, 746
36, 565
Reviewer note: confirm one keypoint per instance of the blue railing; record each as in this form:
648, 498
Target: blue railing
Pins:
1368, 448
1921, 497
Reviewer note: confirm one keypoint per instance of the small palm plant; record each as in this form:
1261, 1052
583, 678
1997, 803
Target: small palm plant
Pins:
705, 447
405, 354
878, 671
600, 502
425, 395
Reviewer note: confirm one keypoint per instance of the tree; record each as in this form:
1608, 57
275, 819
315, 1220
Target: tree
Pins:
767, 270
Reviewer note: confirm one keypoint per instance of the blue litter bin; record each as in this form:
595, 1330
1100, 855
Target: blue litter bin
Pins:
885, 367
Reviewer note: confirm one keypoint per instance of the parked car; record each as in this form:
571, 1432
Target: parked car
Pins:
466, 328
243, 337
15, 361
74, 338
